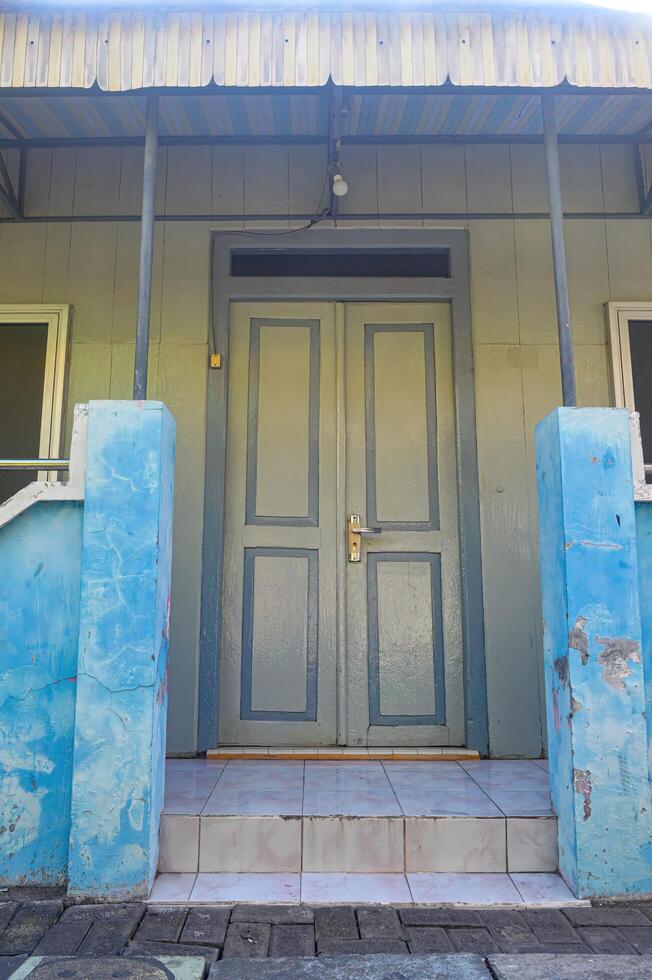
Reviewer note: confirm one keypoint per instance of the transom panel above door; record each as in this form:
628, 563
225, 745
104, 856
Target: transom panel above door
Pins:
339, 416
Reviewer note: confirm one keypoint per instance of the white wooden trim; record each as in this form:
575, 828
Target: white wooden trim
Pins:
57, 318
618, 316
50, 490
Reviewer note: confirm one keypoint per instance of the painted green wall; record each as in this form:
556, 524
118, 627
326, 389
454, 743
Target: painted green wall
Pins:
93, 264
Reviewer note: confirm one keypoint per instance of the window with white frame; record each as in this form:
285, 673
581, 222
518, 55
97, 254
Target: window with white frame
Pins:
630, 337
34, 343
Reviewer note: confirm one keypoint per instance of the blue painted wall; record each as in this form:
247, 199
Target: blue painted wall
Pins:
123, 643
40, 554
594, 672
644, 542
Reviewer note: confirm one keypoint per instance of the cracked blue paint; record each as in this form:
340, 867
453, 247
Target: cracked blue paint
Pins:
123, 640
40, 555
593, 652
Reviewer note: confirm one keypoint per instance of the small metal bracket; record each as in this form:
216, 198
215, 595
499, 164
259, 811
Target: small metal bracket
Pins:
215, 361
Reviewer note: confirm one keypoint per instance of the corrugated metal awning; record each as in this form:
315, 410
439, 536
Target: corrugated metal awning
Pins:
368, 114
124, 51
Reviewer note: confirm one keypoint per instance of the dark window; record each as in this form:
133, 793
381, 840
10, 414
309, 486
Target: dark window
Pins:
419, 263
640, 343
22, 372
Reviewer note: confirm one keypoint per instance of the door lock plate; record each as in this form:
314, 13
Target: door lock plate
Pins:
354, 534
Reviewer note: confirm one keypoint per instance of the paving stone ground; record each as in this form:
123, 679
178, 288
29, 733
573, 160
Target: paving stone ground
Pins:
49, 926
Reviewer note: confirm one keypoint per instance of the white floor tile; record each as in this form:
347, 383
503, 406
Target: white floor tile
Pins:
250, 844
265, 788
172, 888
178, 843
543, 889
471, 844
463, 889
523, 803
374, 889
348, 789
531, 844
187, 788
353, 844
456, 800
497, 774
265, 888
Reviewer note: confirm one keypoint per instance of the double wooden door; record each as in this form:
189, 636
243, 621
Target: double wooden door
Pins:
341, 619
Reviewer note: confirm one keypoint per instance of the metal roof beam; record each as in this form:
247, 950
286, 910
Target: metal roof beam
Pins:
9, 196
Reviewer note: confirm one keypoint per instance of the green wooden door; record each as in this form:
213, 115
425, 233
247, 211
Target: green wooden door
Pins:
340, 409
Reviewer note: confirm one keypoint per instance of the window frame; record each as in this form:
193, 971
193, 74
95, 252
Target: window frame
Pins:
58, 319
618, 318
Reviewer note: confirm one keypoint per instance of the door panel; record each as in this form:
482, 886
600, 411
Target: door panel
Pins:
403, 646
279, 656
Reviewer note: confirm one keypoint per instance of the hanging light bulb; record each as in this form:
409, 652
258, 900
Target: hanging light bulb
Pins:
340, 186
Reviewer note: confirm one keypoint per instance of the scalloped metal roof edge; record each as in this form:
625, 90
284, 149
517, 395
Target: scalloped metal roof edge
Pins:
129, 51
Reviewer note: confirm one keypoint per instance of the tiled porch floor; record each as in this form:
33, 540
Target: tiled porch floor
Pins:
486, 788
467, 833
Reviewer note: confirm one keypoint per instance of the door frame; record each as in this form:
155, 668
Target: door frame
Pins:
455, 290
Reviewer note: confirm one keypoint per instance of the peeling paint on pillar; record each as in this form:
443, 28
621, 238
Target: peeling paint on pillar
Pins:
40, 552
594, 672
117, 791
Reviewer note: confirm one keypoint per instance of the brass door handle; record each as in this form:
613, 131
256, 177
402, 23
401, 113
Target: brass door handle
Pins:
354, 530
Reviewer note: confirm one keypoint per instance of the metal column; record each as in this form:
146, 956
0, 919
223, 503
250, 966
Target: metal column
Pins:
146, 249
559, 252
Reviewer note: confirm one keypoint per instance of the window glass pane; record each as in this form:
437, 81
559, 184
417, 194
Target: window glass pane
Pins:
22, 372
419, 263
640, 342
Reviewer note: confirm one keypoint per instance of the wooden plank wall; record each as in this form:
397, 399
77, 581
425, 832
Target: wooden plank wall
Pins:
92, 265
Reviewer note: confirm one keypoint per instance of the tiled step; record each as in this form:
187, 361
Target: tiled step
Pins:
342, 753
369, 817
248, 843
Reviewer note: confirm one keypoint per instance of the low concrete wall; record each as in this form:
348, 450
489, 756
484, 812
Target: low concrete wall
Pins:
84, 627
40, 562
593, 654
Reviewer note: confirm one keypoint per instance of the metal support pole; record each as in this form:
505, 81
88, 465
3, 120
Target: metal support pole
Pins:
146, 249
334, 146
559, 252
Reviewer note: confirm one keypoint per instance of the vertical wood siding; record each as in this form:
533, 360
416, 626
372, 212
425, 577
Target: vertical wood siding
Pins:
93, 266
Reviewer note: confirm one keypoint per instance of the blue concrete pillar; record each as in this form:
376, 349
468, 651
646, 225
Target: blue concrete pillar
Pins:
119, 751
595, 693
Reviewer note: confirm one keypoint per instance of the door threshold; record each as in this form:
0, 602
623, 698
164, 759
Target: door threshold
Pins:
337, 753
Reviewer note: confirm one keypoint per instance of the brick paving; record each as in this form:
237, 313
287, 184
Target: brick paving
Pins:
54, 927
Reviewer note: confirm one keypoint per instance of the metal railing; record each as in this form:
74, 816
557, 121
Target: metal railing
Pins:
17, 465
